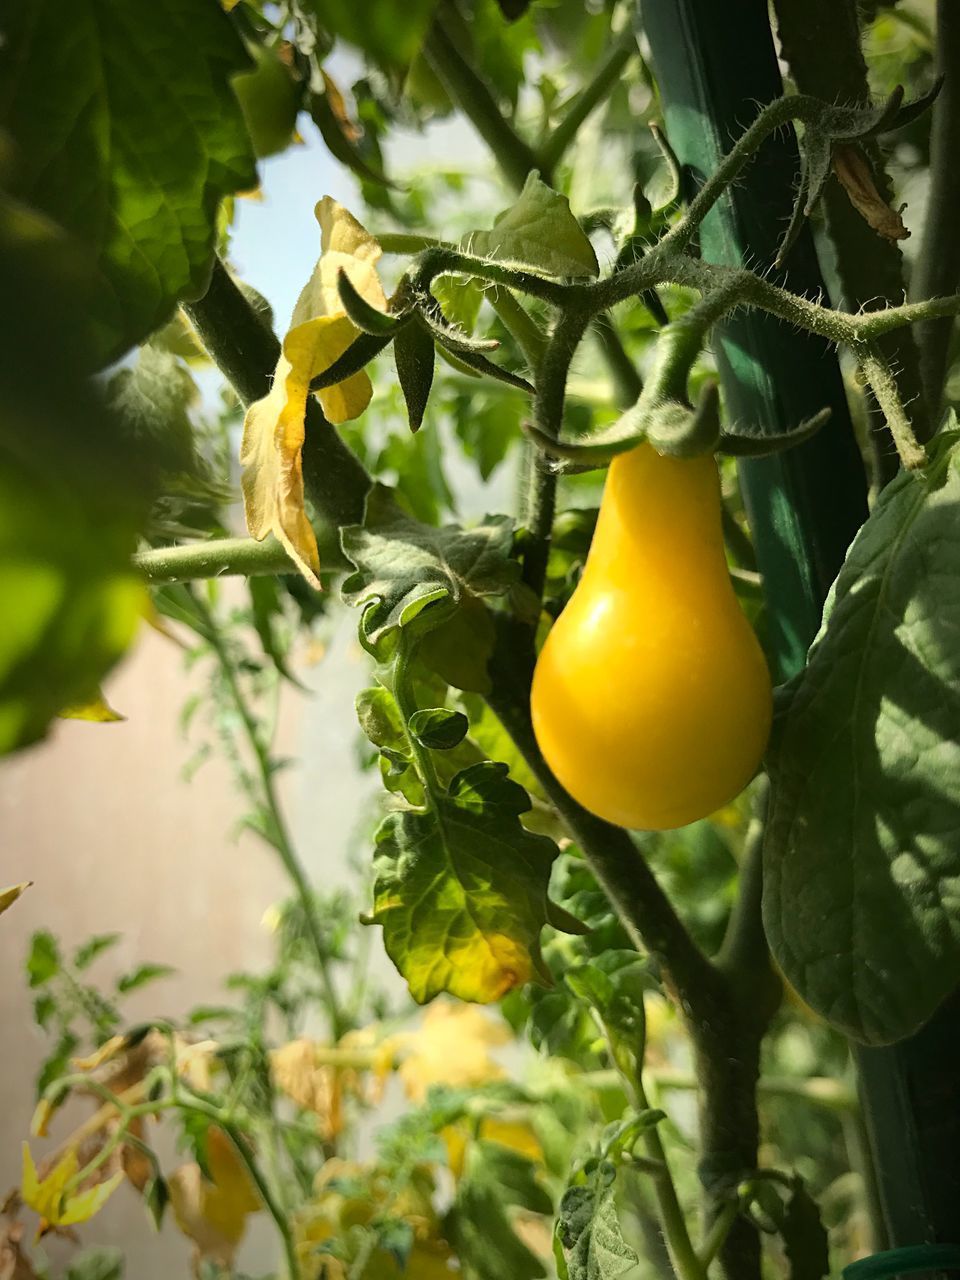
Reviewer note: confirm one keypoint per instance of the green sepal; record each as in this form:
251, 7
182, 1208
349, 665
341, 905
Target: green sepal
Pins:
359, 354
413, 352
368, 319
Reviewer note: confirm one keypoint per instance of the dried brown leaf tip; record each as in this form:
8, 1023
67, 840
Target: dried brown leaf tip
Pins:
856, 177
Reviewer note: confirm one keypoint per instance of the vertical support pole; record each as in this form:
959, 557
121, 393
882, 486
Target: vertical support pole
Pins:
714, 64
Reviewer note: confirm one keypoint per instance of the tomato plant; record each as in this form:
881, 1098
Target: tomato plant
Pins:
673, 314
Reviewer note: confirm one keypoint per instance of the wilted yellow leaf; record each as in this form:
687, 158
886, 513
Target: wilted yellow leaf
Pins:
14, 1264
9, 896
96, 709
213, 1212
857, 179
314, 1087
517, 1134
451, 1047
51, 1196
273, 430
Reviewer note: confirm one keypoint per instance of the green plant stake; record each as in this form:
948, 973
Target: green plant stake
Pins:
714, 64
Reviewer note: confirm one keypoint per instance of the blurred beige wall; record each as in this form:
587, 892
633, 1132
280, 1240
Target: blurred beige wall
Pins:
102, 820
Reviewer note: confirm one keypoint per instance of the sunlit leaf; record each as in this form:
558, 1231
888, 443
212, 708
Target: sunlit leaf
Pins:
98, 710
539, 233
273, 430
461, 890
133, 164
403, 567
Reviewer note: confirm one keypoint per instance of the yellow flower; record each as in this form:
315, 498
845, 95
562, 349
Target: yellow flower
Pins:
273, 430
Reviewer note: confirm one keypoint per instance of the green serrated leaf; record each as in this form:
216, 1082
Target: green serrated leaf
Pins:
133, 164
495, 1177
88, 951
589, 1231
43, 960
461, 889
403, 567
538, 233
413, 352
438, 728
143, 974
861, 856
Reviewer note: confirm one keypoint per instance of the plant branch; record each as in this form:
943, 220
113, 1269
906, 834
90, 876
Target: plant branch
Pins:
213, 559
883, 383
820, 40
937, 270
551, 383
276, 831
474, 97
590, 96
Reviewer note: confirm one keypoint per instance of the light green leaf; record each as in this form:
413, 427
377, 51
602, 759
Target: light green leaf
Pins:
390, 31
589, 1231
88, 951
143, 974
461, 890
380, 719
494, 1179
538, 233
43, 960
128, 132
403, 567
862, 855
71, 492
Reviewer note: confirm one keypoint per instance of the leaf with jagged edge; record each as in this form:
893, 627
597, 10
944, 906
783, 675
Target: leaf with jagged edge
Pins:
133, 163
588, 1229
538, 233
404, 567
461, 890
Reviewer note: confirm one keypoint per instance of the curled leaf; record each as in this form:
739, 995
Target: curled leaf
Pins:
856, 177
320, 333
9, 896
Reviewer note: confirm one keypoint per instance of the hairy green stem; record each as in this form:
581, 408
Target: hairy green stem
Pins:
686, 1262
883, 383
551, 383
278, 836
937, 270
213, 559
627, 382
475, 98
820, 40
588, 99
529, 337
646, 912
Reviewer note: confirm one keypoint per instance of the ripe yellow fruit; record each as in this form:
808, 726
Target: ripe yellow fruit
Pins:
651, 697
